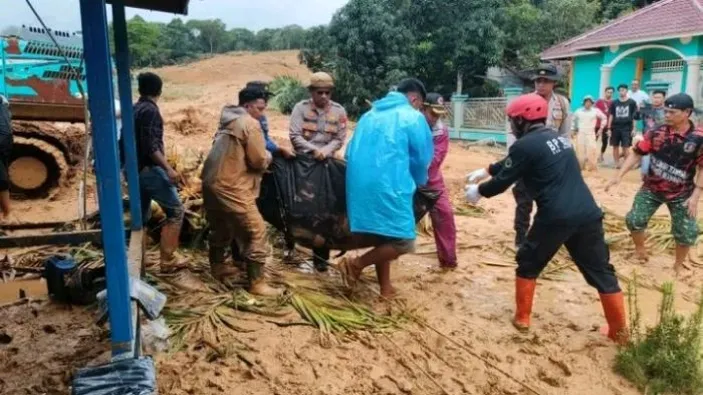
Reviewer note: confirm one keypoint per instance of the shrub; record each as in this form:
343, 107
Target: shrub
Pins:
288, 91
667, 358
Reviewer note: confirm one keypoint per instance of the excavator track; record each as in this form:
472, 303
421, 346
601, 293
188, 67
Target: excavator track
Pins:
37, 168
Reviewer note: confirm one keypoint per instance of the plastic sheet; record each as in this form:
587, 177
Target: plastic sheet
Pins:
127, 377
307, 199
150, 300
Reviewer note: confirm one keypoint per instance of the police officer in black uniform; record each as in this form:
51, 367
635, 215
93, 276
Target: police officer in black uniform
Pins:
566, 215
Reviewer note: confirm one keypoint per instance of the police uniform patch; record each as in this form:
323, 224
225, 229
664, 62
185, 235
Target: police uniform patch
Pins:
689, 147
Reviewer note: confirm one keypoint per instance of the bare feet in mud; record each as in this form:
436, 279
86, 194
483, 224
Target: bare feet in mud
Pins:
641, 256
680, 267
350, 273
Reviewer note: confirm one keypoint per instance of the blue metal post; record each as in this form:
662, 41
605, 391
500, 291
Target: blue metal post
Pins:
102, 110
125, 86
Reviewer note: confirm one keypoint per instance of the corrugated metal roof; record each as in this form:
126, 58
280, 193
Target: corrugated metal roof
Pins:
172, 6
661, 20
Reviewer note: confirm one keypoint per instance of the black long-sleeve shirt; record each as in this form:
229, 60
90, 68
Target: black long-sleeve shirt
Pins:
548, 165
149, 131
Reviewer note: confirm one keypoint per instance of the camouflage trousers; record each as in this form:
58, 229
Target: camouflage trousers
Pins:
683, 226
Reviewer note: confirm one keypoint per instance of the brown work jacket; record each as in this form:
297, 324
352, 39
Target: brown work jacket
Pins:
237, 160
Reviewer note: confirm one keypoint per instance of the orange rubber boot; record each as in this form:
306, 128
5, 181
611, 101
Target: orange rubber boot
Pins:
524, 293
614, 309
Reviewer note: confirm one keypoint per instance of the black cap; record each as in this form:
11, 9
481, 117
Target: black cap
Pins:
412, 85
250, 94
547, 71
260, 85
679, 101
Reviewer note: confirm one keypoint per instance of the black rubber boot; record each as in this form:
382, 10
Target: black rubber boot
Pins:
320, 259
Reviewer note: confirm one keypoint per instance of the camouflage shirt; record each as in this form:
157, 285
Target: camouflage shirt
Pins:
313, 129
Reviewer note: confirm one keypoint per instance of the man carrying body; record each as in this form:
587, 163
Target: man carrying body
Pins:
271, 146
231, 180
442, 214
621, 123
558, 118
157, 179
584, 125
5, 152
388, 157
604, 106
318, 127
566, 215
675, 177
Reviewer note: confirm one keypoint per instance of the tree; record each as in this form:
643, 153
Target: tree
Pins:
241, 39
179, 39
456, 41
211, 34
144, 42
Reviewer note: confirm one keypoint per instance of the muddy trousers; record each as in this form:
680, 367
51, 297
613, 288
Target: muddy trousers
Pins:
442, 216
523, 211
586, 245
245, 233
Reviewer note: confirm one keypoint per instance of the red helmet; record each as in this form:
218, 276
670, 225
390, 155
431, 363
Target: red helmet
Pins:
531, 107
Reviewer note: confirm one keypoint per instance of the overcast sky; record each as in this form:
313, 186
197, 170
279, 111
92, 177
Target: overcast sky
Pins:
252, 14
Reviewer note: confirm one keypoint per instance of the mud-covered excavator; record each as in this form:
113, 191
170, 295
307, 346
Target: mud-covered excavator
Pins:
41, 83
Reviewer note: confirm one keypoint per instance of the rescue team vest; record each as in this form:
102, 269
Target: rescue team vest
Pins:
311, 119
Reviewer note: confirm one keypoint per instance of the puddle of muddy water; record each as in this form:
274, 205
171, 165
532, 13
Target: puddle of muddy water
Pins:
10, 291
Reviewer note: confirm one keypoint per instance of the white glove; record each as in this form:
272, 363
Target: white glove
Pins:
477, 175
472, 195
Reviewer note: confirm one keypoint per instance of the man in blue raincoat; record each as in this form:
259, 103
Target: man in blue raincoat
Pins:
388, 157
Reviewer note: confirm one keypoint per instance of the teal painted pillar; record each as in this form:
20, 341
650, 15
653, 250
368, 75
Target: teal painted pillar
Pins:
510, 94
458, 104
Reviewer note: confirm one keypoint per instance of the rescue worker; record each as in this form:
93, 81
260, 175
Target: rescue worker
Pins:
157, 179
5, 152
231, 180
545, 80
271, 146
318, 127
674, 178
584, 124
387, 158
566, 215
442, 214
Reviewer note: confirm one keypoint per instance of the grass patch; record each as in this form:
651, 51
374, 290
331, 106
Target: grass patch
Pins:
288, 91
665, 359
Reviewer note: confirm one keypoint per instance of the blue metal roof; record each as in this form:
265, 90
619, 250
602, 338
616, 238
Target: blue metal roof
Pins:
172, 6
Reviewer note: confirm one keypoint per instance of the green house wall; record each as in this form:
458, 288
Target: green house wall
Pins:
586, 69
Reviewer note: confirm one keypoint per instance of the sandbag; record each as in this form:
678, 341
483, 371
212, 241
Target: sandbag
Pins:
306, 199
127, 377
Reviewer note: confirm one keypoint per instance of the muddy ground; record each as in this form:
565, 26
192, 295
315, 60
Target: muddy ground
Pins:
467, 347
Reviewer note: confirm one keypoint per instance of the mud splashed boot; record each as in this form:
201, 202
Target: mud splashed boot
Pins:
614, 310
218, 268
257, 282
524, 293
168, 245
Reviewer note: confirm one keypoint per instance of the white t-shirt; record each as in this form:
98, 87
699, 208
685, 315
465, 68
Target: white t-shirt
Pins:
640, 97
